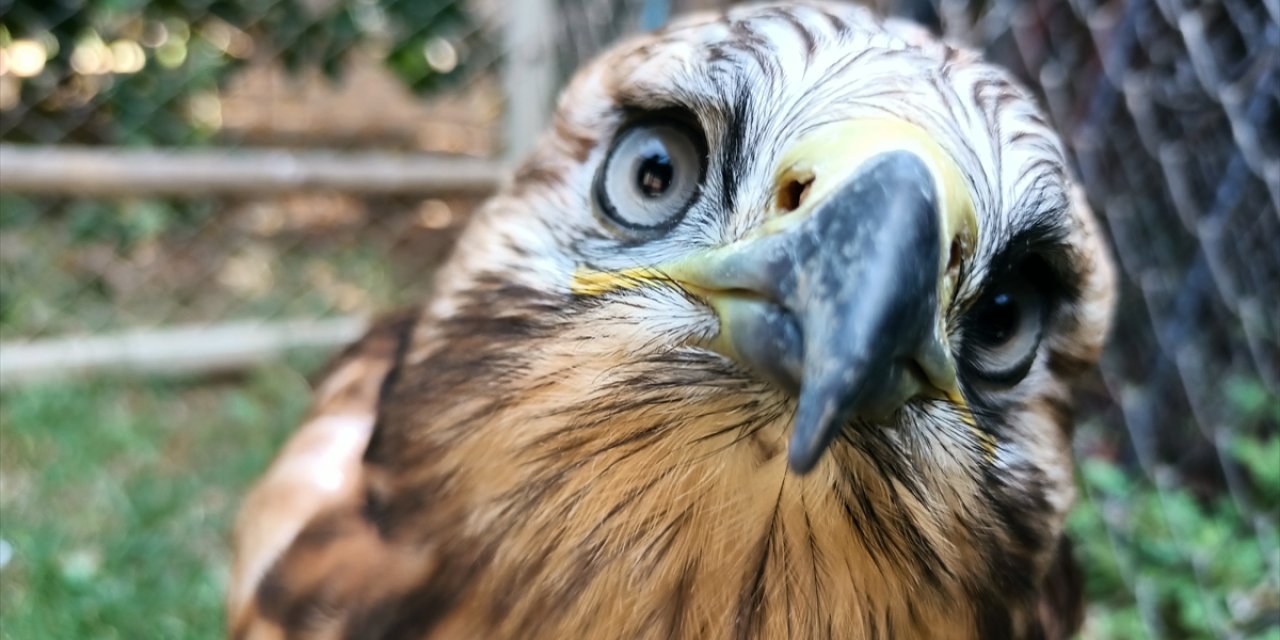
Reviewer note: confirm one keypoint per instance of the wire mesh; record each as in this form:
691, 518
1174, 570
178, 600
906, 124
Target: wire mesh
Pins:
1170, 110
333, 75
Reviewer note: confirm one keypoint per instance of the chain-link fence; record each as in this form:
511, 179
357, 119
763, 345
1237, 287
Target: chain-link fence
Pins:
152, 203
203, 184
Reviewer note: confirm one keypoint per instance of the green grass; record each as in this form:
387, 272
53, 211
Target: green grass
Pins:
117, 498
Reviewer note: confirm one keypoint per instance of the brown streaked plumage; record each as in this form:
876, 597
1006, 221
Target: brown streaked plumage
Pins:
319, 467
569, 442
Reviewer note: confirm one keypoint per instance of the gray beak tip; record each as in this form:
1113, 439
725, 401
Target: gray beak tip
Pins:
802, 460
814, 428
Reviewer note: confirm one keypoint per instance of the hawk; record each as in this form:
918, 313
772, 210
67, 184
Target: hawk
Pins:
771, 336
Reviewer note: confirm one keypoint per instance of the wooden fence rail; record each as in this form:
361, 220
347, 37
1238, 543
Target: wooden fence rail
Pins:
186, 350
113, 171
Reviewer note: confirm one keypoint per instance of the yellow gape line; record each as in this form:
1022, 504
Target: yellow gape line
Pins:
591, 282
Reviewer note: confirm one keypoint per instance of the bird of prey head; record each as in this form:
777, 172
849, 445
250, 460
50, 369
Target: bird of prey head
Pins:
770, 337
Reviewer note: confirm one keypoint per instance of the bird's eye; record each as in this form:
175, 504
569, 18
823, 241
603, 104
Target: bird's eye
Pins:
652, 175
1003, 329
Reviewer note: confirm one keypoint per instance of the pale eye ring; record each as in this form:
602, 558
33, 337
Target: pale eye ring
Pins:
1004, 330
652, 175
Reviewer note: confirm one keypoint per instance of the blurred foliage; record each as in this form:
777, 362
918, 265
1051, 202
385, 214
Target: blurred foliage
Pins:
188, 48
123, 224
1161, 561
72, 266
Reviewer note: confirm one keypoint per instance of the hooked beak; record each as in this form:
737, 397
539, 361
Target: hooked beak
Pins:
839, 296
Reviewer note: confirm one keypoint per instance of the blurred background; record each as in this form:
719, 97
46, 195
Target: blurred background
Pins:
201, 199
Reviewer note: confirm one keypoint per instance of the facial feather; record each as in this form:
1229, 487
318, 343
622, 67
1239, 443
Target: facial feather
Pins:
553, 464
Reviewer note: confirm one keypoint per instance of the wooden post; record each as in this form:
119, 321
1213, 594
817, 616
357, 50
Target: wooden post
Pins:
529, 74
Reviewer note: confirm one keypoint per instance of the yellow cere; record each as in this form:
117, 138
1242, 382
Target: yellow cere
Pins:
831, 153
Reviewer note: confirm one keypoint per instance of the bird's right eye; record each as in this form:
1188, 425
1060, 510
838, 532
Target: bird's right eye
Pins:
652, 175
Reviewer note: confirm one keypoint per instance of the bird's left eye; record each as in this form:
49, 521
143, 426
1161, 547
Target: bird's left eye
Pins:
1003, 330
652, 175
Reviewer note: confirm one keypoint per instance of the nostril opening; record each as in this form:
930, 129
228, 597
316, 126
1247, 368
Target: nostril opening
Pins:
953, 261
793, 192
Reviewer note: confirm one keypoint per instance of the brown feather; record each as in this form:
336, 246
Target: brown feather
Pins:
1061, 603
318, 469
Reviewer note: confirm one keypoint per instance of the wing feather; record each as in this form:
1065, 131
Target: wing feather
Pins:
298, 505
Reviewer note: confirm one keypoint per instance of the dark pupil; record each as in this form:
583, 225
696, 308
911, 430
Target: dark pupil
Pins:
655, 174
1001, 318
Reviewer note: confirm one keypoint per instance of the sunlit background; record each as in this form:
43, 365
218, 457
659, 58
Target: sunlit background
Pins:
201, 199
